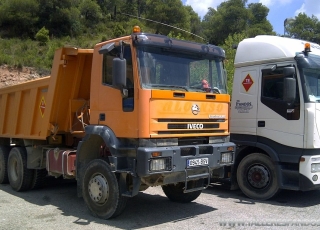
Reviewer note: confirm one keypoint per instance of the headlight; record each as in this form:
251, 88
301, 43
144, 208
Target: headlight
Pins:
160, 164
315, 159
158, 142
315, 167
226, 158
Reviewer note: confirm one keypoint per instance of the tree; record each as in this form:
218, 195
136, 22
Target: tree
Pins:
257, 21
195, 23
304, 27
170, 12
231, 17
229, 47
55, 15
42, 36
91, 12
18, 18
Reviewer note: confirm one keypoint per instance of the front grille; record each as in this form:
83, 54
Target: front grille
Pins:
185, 126
191, 131
191, 120
179, 126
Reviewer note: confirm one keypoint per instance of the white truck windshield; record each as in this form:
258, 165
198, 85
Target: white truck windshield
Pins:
310, 71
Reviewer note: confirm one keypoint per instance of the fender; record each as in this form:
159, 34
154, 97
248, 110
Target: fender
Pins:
252, 141
105, 133
89, 147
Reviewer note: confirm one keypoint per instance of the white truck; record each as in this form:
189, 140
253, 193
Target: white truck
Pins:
275, 116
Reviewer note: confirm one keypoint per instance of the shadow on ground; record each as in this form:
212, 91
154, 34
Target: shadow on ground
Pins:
143, 210
290, 198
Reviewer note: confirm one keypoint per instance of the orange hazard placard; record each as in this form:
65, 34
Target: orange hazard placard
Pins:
247, 82
42, 106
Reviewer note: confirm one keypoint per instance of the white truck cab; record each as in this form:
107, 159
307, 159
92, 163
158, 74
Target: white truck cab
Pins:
275, 116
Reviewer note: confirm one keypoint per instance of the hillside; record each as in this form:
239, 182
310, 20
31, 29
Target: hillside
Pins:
11, 76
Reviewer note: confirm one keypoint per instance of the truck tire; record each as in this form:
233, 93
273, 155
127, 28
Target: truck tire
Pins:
4, 153
101, 190
20, 177
257, 177
175, 193
38, 178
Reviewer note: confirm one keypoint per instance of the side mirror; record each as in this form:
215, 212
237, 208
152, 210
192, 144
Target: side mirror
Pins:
119, 73
289, 90
106, 48
289, 72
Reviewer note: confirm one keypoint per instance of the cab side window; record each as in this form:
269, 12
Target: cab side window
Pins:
272, 92
127, 103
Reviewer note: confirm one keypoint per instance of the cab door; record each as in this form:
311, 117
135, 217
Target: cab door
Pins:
278, 120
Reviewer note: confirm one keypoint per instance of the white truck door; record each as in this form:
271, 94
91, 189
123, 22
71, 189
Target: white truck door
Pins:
276, 119
244, 101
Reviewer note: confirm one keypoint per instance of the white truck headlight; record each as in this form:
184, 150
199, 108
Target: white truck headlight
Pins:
315, 167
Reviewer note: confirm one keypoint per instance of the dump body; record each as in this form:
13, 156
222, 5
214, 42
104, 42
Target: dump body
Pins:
43, 107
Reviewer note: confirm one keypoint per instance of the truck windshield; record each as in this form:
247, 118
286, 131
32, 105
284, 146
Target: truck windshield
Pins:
170, 70
310, 71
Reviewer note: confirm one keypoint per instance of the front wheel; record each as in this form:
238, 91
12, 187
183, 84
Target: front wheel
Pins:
101, 190
257, 177
175, 193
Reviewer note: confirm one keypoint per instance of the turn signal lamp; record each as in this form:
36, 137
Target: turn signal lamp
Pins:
136, 29
156, 154
307, 47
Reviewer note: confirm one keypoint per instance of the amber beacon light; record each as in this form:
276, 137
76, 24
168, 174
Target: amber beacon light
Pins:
136, 29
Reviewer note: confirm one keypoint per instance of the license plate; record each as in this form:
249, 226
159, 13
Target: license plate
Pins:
197, 162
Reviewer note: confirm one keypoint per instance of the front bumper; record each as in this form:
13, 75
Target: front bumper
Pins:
177, 158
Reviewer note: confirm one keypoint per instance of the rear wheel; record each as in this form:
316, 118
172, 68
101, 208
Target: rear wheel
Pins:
20, 177
175, 193
257, 177
4, 153
101, 190
38, 178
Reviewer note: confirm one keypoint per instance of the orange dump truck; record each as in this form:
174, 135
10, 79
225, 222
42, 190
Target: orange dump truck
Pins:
128, 114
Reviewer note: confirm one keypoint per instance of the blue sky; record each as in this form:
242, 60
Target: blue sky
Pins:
279, 10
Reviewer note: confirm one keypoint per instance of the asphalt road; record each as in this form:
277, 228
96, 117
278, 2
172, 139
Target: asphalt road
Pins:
57, 207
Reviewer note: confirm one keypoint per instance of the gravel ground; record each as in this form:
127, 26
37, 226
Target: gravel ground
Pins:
57, 207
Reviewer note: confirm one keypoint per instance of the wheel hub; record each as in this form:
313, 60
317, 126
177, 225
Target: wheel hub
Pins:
258, 176
98, 189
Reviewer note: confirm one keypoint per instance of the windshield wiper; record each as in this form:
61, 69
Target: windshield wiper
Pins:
212, 90
170, 86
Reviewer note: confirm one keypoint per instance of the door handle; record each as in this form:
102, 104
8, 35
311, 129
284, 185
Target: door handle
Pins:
261, 123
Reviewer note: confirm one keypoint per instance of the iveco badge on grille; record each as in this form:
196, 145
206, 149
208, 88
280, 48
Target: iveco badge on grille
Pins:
195, 109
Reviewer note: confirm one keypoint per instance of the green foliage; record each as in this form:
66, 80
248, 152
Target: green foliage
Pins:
170, 12
228, 46
232, 17
118, 30
18, 18
83, 23
304, 27
257, 22
42, 36
90, 12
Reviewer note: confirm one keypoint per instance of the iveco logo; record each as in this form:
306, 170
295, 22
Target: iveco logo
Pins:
195, 126
195, 109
